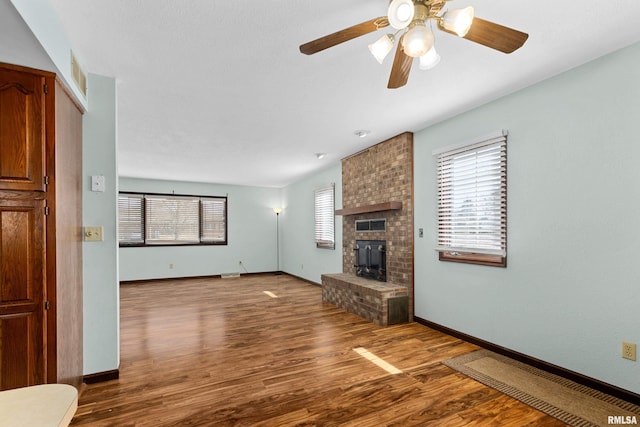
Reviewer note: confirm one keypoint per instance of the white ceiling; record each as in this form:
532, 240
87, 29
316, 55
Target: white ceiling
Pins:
215, 91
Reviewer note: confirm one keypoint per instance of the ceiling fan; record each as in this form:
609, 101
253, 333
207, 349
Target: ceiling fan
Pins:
409, 18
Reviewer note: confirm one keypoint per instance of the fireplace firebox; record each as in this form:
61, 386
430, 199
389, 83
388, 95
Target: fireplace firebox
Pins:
371, 259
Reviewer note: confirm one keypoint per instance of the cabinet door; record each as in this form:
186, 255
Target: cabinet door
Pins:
22, 131
22, 237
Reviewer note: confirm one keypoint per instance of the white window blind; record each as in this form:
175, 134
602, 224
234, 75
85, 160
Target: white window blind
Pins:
325, 217
213, 223
130, 222
472, 197
172, 219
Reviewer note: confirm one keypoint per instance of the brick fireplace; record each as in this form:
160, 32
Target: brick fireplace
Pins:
377, 184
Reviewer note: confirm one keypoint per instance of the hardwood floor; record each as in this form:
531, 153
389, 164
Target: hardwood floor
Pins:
222, 352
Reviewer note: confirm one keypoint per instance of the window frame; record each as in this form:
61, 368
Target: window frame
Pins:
329, 210
144, 226
445, 157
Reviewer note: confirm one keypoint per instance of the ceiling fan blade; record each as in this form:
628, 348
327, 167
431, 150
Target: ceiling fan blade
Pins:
401, 67
344, 35
494, 35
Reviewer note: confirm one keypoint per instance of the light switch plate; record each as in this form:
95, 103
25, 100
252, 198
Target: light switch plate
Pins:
97, 183
93, 234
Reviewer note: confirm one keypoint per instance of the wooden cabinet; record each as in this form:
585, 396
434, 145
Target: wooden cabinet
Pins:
40, 230
22, 290
22, 127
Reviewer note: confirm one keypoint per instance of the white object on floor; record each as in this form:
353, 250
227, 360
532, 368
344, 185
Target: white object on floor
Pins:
46, 405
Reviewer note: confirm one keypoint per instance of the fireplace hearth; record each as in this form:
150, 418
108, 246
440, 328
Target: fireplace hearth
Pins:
371, 259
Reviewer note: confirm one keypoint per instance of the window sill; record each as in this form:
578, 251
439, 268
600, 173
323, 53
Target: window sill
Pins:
472, 258
325, 245
154, 245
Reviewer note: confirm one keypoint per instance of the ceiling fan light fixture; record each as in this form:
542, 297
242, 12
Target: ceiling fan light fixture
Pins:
400, 13
381, 48
418, 40
429, 59
458, 20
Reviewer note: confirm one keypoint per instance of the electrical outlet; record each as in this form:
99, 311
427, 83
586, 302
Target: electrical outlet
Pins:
628, 350
170, 266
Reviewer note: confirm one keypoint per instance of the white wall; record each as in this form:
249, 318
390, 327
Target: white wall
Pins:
571, 291
299, 255
43, 21
100, 259
251, 234
24, 49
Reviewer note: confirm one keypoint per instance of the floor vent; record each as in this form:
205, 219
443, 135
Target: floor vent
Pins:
229, 275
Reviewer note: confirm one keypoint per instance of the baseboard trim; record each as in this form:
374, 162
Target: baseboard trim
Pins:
302, 278
99, 377
212, 276
613, 390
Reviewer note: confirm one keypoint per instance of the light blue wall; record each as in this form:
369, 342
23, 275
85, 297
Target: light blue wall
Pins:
299, 255
251, 234
100, 259
571, 291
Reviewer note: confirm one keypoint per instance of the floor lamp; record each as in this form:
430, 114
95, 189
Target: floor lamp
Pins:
277, 211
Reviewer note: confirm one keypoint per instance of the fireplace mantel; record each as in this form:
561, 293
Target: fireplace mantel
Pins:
378, 207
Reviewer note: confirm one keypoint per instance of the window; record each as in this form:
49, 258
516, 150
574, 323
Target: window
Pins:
213, 220
160, 219
325, 217
472, 202
171, 219
130, 214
